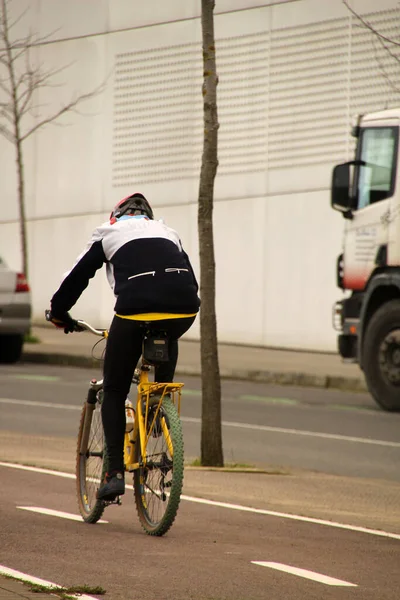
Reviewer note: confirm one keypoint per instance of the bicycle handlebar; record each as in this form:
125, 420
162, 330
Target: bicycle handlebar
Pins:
88, 327
81, 326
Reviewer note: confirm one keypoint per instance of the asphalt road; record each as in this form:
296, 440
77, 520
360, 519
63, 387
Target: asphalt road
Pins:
328, 455
270, 426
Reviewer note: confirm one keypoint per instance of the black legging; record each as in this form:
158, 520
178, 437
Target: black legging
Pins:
123, 351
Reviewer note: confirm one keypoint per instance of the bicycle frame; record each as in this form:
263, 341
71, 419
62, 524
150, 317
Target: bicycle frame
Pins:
149, 395
153, 448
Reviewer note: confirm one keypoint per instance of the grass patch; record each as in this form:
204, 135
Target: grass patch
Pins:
29, 338
197, 463
64, 593
234, 467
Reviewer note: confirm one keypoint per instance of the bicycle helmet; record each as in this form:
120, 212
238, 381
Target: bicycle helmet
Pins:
132, 205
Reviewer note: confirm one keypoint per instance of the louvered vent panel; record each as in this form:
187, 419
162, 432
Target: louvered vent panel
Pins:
285, 99
157, 115
375, 63
242, 103
158, 111
307, 119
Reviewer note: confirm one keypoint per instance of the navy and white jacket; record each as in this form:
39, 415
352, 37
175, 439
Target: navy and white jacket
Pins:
147, 269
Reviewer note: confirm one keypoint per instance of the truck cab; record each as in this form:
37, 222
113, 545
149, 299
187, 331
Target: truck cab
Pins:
367, 192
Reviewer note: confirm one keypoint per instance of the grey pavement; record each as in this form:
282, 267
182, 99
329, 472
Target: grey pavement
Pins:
316, 369
268, 365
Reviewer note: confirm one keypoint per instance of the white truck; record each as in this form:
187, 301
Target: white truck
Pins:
367, 192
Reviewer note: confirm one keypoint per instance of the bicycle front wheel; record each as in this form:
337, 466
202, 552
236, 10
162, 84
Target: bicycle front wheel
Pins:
158, 482
91, 461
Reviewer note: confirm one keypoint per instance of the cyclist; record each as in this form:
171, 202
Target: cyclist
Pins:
153, 280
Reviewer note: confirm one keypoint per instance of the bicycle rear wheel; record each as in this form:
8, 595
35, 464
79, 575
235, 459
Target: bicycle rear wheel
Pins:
158, 484
91, 461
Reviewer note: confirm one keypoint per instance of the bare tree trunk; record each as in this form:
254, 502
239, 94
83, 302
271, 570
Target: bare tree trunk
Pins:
18, 89
16, 136
22, 215
211, 435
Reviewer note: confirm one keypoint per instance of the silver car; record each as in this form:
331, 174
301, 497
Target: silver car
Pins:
15, 313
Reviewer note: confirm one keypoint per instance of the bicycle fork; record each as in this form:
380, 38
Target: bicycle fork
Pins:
95, 387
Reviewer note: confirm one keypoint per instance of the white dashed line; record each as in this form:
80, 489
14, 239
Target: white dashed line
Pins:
38, 470
301, 432
55, 513
304, 573
250, 426
240, 507
39, 404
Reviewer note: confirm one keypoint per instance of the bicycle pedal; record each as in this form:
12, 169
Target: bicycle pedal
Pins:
117, 501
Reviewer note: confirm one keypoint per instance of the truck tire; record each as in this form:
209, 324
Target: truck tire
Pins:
11, 348
381, 356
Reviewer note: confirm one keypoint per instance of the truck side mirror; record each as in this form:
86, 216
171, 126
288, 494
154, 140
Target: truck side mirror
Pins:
340, 189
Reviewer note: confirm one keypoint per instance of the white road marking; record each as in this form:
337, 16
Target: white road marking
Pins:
327, 436
258, 511
41, 404
55, 513
31, 579
317, 434
304, 573
38, 470
272, 513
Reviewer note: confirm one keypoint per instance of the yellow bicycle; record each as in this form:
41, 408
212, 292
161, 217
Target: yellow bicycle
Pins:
153, 447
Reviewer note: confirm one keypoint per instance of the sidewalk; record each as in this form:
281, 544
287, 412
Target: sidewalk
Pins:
314, 369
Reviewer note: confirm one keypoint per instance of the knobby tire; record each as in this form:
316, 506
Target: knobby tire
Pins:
91, 465
157, 506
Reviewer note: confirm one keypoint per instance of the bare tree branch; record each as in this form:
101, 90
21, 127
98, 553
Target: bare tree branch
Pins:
4, 88
383, 70
369, 26
385, 42
17, 19
387, 49
6, 113
31, 39
17, 54
25, 99
34, 79
18, 88
71, 106
40, 77
7, 134
35, 40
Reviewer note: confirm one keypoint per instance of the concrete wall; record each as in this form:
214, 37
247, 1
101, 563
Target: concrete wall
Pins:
292, 75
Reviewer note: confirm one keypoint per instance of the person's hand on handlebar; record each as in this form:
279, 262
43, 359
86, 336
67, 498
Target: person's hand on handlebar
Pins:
64, 321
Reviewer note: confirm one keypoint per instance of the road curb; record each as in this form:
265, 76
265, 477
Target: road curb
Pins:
64, 360
349, 384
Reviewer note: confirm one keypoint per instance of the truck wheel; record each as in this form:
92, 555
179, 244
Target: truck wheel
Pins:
11, 348
381, 356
